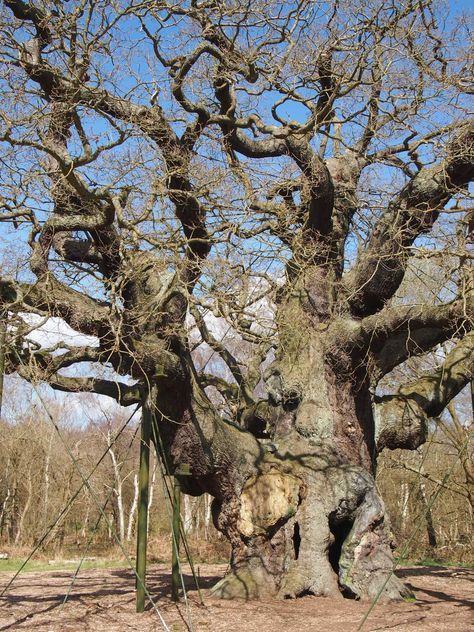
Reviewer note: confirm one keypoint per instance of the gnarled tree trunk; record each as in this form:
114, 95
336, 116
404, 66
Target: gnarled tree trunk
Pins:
297, 502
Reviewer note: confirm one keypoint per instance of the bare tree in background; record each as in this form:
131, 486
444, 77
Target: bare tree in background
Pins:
411, 482
277, 165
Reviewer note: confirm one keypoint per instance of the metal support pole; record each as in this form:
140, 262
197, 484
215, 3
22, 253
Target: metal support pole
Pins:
143, 484
175, 575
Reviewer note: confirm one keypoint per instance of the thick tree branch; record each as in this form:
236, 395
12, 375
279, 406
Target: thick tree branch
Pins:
345, 173
49, 296
381, 268
409, 343
28, 12
124, 394
401, 418
228, 390
77, 250
317, 194
317, 191
379, 332
152, 122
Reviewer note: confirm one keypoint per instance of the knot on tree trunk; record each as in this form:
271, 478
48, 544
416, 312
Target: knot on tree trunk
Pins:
254, 524
267, 501
399, 423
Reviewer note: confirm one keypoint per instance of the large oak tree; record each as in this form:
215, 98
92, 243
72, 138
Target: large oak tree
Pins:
286, 168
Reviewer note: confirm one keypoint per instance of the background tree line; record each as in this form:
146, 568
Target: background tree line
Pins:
38, 478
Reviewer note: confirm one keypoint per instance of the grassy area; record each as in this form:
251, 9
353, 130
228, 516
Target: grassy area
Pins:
434, 562
428, 561
14, 564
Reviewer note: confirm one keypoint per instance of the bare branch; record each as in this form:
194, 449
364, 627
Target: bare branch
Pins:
224, 353
393, 334
83, 313
381, 268
402, 417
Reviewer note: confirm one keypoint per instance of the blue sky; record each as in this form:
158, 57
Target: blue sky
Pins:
12, 242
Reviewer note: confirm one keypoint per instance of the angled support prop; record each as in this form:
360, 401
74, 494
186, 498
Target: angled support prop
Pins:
143, 489
3, 342
175, 574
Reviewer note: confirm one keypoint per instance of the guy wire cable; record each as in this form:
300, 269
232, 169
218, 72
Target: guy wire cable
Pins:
96, 526
96, 501
65, 509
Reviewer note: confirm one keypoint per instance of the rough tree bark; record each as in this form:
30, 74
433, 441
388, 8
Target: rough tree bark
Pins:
290, 463
300, 508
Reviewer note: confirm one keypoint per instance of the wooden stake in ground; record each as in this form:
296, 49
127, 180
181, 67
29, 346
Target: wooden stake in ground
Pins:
143, 484
3, 340
472, 397
175, 575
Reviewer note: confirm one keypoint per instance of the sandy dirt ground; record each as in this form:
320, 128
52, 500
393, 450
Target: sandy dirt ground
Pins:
104, 601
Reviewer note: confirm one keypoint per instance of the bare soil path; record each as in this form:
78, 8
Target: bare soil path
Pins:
104, 600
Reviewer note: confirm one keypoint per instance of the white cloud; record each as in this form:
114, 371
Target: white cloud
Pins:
56, 330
